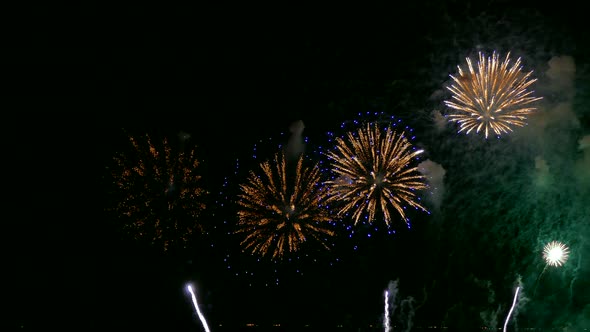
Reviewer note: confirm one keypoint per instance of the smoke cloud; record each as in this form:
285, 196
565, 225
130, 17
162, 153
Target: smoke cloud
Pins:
582, 167
434, 174
392, 291
296, 145
489, 315
440, 122
404, 319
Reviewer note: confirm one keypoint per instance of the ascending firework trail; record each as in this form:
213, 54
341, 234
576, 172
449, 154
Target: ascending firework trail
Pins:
511, 308
201, 317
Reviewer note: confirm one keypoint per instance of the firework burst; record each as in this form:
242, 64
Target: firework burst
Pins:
555, 253
158, 193
280, 210
492, 97
372, 172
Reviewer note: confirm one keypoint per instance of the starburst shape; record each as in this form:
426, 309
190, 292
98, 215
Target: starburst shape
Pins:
157, 193
555, 253
493, 97
281, 208
373, 171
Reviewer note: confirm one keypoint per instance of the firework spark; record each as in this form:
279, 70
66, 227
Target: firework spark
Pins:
555, 253
158, 193
373, 171
493, 97
280, 210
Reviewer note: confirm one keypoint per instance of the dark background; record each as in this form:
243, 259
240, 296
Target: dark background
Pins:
231, 78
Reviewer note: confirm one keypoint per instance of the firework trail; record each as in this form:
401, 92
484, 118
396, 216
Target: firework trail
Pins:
492, 98
201, 317
511, 308
390, 292
406, 311
386, 318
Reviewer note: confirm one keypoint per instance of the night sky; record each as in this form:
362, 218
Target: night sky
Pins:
240, 79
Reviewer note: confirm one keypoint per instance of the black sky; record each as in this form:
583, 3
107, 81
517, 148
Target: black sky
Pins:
231, 78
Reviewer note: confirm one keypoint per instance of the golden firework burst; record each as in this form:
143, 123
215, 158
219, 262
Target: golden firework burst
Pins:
158, 193
373, 172
492, 97
282, 208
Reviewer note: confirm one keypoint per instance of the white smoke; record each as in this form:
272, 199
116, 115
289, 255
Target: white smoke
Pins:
434, 174
405, 316
392, 291
562, 72
296, 145
555, 125
489, 316
440, 122
542, 176
556, 109
584, 143
522, 300
407, 311
582, 167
